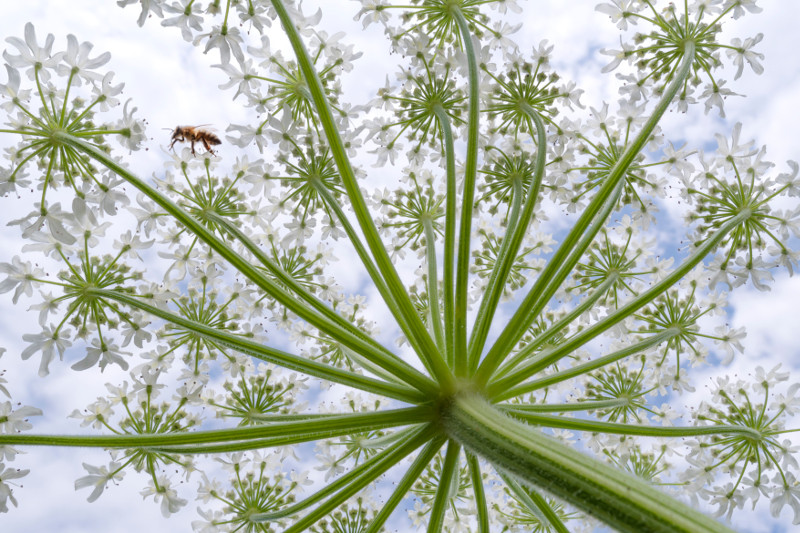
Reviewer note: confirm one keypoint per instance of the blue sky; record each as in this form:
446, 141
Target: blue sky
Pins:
173, 83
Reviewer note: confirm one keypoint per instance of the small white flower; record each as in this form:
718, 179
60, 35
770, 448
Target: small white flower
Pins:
373, 11
245, 76
6, 494
11, 90
98, 477
21, 277
617, 56
185, 22
620, 12
32, 56
739, 7
228, 43
170, 502
147, 7
76, 61
16, 420
103, 354
105, 93
48, 342
132, 130
730, 341
787, 493
743, 52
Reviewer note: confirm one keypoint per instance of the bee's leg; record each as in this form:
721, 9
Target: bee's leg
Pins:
207, 147
193, 148
176, 138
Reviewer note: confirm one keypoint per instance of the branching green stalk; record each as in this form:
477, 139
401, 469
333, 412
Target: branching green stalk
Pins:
276, 270
367, 225
405, 484
435, 314
270, 442
623, 502
448, 483
515, 232
559, 262
536, 300
342, 480
628, 309
557, 326
536, 504
504, 387
271, 355
387, 360
588, 405
246, 445
497, 278
368, 365
595, 426
364, 479
372, 270
478, 492
467, 198
539, 303
332, 426
450, 218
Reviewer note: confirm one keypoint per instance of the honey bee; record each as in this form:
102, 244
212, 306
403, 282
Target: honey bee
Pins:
194, 134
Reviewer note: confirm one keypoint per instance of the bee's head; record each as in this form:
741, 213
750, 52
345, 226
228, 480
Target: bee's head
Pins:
177, 132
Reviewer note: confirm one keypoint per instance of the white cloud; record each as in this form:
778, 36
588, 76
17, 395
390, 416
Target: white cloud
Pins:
771, 319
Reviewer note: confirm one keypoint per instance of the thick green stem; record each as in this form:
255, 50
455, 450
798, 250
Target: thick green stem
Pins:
623, 502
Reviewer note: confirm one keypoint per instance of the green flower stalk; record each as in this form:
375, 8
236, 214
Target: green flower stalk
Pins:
447, 389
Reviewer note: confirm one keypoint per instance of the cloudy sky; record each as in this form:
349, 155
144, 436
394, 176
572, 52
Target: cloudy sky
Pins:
173, 83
